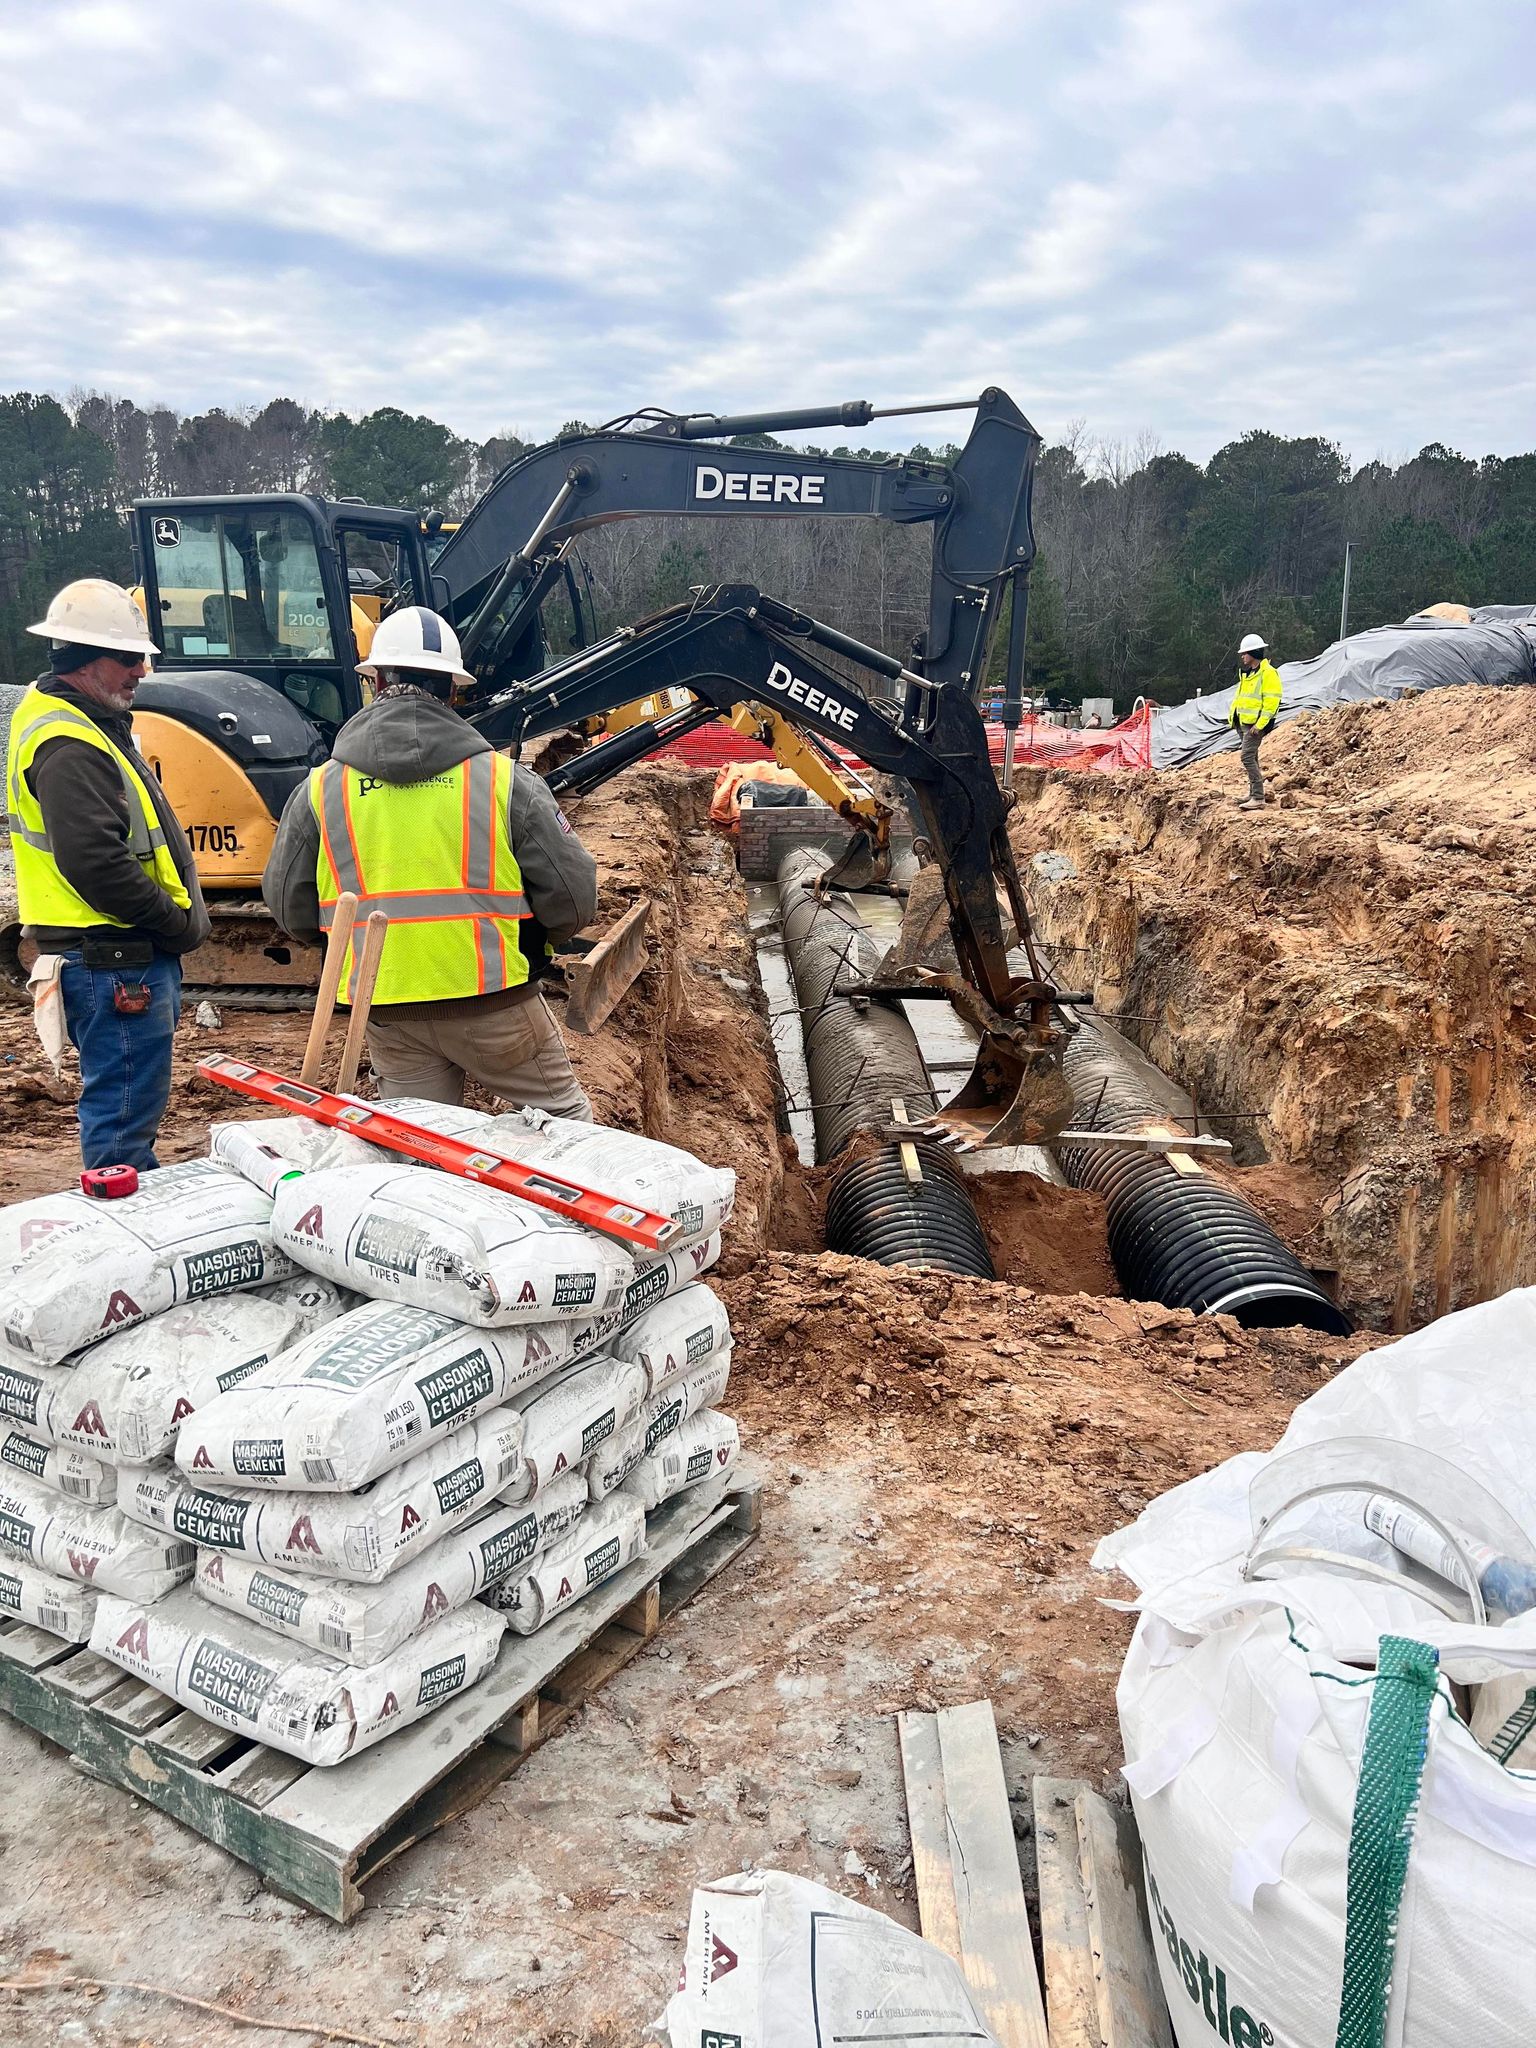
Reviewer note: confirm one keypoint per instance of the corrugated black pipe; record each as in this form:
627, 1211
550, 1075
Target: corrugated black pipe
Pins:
861, 1056
1180, 1238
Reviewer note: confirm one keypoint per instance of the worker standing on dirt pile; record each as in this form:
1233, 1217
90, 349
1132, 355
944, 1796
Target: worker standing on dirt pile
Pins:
1254, 709
417, 815
105, 882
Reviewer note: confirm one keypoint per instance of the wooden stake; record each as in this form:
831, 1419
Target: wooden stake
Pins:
362, 1000
337, 940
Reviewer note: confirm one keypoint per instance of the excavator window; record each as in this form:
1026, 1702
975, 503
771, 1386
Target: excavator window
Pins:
243, 585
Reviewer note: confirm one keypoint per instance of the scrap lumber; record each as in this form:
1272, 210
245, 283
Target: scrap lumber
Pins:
599, 978
970, 1893
1071, 1990
1132, 2012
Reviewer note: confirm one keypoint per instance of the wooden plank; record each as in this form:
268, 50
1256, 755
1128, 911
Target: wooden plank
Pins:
642, 1617
86, 1677
140, 1708
1071, 1997
1163, 1140
192, 1740
923, 1771
32, 1648
257, 1777
997, 1953
598, 980
1131, 2007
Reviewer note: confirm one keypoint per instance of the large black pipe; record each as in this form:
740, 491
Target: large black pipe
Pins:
862, 1057
1181, 1239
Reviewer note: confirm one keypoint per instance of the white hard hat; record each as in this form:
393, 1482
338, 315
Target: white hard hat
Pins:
1251, 643
95, 613
413, 637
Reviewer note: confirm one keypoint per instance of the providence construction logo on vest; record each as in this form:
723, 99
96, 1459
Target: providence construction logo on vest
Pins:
1205, 1984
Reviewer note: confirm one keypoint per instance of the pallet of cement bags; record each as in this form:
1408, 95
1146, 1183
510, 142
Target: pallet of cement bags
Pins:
320, 1833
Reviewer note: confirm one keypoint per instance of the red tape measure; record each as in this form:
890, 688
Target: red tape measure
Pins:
106, 1183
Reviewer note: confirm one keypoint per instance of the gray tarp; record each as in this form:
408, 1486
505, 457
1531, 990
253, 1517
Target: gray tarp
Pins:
1425, 654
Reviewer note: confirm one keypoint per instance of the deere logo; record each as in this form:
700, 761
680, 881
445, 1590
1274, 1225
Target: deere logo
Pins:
1206, 1987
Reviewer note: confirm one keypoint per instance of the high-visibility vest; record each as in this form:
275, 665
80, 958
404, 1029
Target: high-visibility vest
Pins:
43, 896
437, 858
1258, 695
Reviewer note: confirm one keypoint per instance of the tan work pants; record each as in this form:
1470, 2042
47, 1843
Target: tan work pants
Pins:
518, 1053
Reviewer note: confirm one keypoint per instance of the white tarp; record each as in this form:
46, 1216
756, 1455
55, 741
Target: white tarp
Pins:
609, 1536
310, 1705
125, 1398
42, 1600
774, 1961
100, 1547
1387, 661
362, 1624
1246, 1701
706, 1446
361, 1396
412, 1233
363, 1535
74, 1270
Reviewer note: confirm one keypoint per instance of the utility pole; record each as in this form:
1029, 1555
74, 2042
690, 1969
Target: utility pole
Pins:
1344, 605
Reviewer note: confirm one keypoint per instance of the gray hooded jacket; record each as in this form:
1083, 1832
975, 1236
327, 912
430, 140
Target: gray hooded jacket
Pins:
410, 737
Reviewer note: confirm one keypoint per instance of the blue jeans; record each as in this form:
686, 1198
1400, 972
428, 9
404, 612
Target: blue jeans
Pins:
125, 1062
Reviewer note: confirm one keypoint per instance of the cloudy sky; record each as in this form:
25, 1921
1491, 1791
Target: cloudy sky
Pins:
1169, 217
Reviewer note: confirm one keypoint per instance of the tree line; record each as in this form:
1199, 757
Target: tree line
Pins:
1150, 566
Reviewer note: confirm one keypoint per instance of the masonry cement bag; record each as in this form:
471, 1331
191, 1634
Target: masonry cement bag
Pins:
100, 1547
609, 1536
565, 1421
62, 1606
363, 1624
267, 1149
309, 1705
364, 1535
775, 1961
700, 1387
73, 1270
676, 1333
361, 1396
125, 1398
706, 1446
1330, 1851
697, 1197
411, 1233
59, 1467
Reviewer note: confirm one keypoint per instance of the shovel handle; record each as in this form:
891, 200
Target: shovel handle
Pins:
362, 1000
337, 940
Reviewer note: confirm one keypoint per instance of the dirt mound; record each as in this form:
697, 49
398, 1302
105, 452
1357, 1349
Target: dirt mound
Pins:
1346, 976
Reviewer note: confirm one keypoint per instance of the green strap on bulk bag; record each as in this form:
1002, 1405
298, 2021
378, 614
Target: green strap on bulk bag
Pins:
1381, 1834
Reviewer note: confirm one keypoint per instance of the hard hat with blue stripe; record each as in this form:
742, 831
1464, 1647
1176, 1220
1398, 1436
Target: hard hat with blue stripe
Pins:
415, 638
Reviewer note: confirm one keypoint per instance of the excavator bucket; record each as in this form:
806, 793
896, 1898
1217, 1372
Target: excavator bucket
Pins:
1017, 1094
863, 862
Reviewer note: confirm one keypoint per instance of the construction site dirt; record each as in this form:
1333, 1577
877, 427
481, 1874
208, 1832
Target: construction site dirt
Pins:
939, 1458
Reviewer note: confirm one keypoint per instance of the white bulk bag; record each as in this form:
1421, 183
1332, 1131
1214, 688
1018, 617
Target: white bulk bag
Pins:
74, 1270
700, 1387
705, 1447
609, 1536
566, 1420
681, 1331
60, 1467
411, 1233
1330, 1853
125, 1398
361, 1396
309, 1705
698, 1198
40, 1599
100, 1547
362, 1624
774, 1961
364, 1535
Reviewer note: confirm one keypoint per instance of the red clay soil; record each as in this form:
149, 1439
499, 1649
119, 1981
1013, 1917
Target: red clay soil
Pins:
1351, 971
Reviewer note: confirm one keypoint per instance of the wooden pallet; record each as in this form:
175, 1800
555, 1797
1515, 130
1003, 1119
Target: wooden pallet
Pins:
320, 1835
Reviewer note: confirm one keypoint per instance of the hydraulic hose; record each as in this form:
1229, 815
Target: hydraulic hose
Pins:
1181, 1239
862, 1056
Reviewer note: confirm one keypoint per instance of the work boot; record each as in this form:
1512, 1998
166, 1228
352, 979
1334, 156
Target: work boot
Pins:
1251, 803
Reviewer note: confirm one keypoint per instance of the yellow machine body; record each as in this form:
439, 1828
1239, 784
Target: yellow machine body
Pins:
227, 824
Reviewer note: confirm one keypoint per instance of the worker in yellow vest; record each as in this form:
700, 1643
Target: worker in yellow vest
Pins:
471, 858
1253, 710
105, 882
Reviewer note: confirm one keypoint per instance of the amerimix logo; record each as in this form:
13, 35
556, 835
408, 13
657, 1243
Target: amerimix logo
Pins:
1207, 1987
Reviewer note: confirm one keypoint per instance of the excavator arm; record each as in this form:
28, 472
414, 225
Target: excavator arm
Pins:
734, 647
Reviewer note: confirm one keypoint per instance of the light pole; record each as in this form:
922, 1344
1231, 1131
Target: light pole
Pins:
1344, 604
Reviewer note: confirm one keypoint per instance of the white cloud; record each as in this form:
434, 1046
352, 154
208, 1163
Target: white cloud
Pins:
1189, 216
